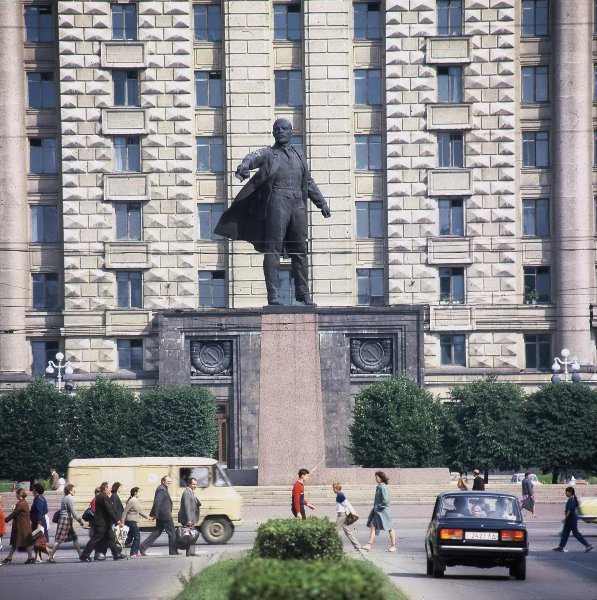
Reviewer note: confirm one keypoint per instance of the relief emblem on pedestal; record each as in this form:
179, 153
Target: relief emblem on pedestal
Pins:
210, 357
371, 355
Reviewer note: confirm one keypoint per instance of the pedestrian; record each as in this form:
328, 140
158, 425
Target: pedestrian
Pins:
2, 523
188, 514
343, 509
103, 535
116, 501
130, 517
20, 534
91, 519
570, 521
298, 495
462, 483
528, 494
54, 479
40, 544
478, 481
65, 532
39, 509
379, 517
161, 511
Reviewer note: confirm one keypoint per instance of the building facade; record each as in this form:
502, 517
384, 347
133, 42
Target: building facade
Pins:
453, 139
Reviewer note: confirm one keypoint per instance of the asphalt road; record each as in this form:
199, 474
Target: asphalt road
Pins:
550, 576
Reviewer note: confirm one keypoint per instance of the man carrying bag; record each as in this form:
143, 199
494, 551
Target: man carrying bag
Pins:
188, 516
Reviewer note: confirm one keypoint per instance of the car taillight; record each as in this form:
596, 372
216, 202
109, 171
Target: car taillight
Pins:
508, 535
450, 534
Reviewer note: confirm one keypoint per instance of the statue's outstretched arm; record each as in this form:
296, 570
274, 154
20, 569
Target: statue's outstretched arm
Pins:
252, 161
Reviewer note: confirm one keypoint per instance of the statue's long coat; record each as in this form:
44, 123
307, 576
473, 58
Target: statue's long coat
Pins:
245, 219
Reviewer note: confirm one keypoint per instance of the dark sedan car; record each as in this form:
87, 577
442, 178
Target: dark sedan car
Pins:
476, 529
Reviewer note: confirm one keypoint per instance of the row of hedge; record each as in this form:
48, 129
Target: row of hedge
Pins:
42, 428
293, 559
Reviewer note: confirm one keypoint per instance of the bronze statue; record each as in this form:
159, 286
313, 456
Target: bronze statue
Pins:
270, 211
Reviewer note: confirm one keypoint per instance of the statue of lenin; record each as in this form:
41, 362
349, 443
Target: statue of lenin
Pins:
270, 211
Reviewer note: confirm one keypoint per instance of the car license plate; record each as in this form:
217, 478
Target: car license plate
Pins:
481, 535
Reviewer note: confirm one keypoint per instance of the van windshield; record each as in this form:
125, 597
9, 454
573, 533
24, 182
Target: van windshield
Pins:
220, 479
201, 474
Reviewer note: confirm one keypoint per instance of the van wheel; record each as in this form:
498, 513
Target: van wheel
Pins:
216, 530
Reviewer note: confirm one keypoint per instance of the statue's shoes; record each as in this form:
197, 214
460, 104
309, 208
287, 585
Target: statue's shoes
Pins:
274, 302
307, 301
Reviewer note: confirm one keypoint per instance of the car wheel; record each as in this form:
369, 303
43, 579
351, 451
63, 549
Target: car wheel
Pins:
519, 570
437, 569
429, 566
216, 530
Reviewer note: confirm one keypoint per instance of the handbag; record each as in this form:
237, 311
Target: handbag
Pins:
88, 515
186, 537
351, 518
56, 517
37, 533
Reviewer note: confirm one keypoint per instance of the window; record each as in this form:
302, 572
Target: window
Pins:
210, 154
369, 219
537, 351
126, 88
128, 221
129, 286
367, 87
127, 154
207, 22
535, 217
208, 89
370, 287
42, 156
451, 285
297, 142
39, 23
449, 84
535, 18
287, 22
124, 21
201, 474
535, 84
450, 149
212, 289
289, 88
367, 21
40, 88
537, 285
451, 216
44, 223
452, 350
130, 354
535, 149
42, 353
449, 17
286, 287
45, 291
368, 152
209, 215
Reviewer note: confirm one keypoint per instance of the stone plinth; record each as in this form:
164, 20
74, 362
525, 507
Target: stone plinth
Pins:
291, 432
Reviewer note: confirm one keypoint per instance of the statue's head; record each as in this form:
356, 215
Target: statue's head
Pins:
282, 131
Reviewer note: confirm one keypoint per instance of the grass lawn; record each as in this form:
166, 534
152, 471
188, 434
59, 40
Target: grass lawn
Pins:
213, 583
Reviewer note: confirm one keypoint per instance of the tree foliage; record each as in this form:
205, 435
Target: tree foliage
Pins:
396, 424
562, 420
485, 425
34, 436
178, 420
105, 420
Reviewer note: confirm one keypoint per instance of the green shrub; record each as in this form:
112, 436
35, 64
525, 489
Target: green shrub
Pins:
212, 583
309, 539
348, 579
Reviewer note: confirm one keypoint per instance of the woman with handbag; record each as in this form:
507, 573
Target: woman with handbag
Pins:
2, 523
39, 509
65, 531
130, 518
380, 518
40, 543
346, 515
20, 535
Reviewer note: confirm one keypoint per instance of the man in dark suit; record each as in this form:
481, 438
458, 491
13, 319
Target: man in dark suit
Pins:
103, 535
270, 211
188, 514
478, 481
161, 511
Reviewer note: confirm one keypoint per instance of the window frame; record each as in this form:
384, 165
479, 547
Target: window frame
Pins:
212, 12
49, 354
124, 8
371, 30
369, 218
213, 144
542, 360
529, 146
32, 12
50, 299
449, 8
46, 101
371, 143
531, 217
455, 291
134, 363
47, 154
286, 287
214, 97
213, 212
37, 214
533, 282
368, 87
451, 209
129, 230
531, 8
126, 92
127, 297
450, 146
457, 347
210, 300
281, 13
285, 82
454, 85
370, 278
123, 162
529, 77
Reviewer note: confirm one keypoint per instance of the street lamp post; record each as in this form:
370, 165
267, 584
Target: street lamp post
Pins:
565, 362
66, 367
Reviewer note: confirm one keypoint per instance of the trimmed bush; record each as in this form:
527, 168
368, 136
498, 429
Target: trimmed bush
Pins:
347, 579
310, 539
212, 583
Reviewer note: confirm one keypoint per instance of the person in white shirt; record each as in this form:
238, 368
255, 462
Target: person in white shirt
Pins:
343, 508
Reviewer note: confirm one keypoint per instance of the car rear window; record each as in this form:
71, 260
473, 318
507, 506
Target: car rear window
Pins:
480, 507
